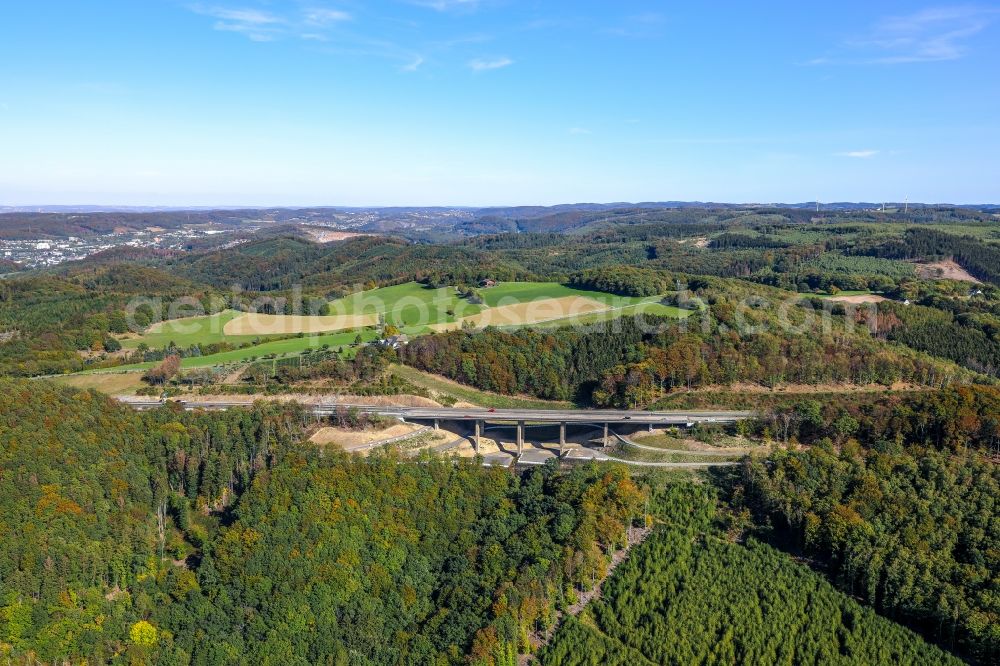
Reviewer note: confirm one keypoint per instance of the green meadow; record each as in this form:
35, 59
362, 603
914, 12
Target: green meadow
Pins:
279, 348
411, 306
649, 306
407, 305
189, 331
507, 293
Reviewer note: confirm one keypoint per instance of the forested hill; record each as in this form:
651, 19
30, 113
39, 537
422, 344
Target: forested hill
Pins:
691, 595
635, 361
981, 260
96, 501
172, 537
424, 222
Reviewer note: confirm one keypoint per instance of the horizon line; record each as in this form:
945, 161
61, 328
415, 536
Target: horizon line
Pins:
694, 203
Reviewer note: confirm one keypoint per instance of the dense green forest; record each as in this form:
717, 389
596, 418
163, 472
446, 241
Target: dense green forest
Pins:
966, 339
171, 537
177, 537
50, 318
690, 595
97, 500
624, 280
980, 259
953, 419
634, 361
911, 531
897, 497
395, 563
549, 364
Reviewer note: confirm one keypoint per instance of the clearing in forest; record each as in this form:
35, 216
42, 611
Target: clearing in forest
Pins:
945, 270
119, 383
270, 349
410, 304
187, 331
858, 298
531, 312
414, 308
254, 324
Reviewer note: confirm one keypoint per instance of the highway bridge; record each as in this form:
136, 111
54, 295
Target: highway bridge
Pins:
478, 417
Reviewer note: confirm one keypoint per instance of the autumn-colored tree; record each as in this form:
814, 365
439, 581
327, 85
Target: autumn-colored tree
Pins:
162, 372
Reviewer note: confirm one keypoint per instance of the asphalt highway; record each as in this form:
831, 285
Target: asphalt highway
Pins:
674, 417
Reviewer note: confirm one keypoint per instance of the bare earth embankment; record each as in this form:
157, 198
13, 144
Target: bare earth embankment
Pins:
858, 298
945, 270
350, 440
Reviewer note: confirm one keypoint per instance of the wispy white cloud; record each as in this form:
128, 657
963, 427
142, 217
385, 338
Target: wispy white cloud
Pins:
248, 16
649, 18
331, 30
264, 26
462, 40
483, 65
859, 154
257, 25
579, 130
544, 23
648, 24
254, 34
447, 5
930, 35
413, 65
320, 16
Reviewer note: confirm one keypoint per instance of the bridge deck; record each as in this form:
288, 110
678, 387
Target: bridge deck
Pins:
675, 417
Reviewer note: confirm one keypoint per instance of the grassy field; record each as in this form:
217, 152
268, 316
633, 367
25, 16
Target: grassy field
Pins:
415, 308
528, 313
254, 323
617, 306
507, 293
650, 306
290, 346
410, 305
189, 331
119, 383
987, 231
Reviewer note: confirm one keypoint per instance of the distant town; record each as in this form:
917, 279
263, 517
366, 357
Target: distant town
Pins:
43, 252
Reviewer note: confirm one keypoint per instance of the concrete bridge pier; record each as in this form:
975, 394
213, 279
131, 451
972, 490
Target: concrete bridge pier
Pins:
437, 424
562, 437
479, 428
605, 435
520, 437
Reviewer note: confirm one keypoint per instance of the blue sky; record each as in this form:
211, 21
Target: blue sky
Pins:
488, 102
